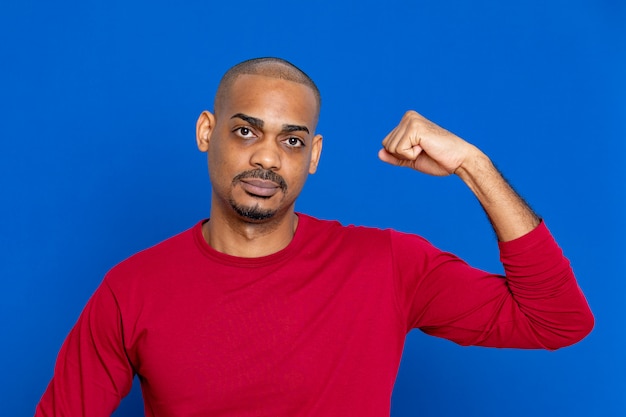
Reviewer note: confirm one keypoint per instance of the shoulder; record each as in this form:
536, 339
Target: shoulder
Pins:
332, 230
313, 227
156, 259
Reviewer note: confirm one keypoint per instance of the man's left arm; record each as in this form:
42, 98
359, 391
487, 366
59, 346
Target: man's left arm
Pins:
422, 145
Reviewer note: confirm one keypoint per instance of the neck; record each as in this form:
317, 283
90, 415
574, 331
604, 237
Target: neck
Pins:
236, 237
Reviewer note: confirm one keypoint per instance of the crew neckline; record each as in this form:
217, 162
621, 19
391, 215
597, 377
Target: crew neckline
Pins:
226, 259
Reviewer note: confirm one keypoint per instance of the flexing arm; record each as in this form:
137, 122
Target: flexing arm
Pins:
539, 304
422, 145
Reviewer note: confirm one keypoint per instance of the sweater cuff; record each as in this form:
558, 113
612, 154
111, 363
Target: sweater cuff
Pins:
536, 237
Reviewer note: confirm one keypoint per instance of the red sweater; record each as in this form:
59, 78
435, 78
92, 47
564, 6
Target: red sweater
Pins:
316, 329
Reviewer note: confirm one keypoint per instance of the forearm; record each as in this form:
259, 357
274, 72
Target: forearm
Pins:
509, 214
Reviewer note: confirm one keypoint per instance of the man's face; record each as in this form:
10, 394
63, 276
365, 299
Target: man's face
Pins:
261, 146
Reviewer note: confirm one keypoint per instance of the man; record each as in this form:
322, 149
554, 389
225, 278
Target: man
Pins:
260, 310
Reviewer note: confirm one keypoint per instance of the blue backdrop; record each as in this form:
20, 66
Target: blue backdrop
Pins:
99, 101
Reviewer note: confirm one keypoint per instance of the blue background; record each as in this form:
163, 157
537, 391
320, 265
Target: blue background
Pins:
98, 160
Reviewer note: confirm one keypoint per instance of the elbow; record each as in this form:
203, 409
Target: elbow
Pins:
589, 323
575, 332
586, 326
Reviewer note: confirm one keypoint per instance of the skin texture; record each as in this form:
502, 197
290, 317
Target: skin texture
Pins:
261, 147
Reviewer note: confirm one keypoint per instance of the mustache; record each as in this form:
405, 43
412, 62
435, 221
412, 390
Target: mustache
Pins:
262, 174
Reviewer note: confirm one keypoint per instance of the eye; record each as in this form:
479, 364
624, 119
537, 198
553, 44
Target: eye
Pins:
244, 132
294, 142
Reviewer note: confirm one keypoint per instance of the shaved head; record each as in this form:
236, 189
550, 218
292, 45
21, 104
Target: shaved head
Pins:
267, 67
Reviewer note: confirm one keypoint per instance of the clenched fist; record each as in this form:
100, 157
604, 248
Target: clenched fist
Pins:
422, 145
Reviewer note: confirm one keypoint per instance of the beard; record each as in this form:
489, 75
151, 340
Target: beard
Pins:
254, 213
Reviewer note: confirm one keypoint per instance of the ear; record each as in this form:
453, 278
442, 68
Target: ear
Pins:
204, 128
316, 153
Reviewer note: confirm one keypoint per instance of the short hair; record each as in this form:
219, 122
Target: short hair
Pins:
269, 67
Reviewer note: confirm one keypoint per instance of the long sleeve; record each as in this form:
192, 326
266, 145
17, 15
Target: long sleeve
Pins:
538, 304
92, 372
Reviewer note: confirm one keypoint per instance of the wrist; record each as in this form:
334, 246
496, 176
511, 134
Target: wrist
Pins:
475, 165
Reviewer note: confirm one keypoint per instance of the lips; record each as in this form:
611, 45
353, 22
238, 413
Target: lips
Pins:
259, 187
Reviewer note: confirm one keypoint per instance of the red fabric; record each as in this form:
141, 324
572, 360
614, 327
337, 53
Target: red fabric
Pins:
316, 329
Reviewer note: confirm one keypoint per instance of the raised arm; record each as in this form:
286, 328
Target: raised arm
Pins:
539, 305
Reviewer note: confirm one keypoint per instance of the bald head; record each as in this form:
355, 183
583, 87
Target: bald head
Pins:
268, 67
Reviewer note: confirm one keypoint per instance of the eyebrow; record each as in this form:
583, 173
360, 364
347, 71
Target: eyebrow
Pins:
258, 123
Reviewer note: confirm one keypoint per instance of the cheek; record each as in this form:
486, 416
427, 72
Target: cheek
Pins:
299, 175
220, 173
222, 159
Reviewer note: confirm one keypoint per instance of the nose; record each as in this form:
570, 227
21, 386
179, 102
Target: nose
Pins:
266, 155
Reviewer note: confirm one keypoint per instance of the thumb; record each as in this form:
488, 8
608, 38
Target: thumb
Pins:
385, 156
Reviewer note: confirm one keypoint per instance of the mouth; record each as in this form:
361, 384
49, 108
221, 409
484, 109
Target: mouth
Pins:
260, 183
259, 188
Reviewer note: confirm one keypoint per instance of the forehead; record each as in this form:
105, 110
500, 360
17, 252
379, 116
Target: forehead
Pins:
263, 93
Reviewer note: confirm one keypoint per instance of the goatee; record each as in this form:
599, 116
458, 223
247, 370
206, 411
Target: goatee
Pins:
254, 213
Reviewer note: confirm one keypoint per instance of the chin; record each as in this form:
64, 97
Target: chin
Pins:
254, 213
